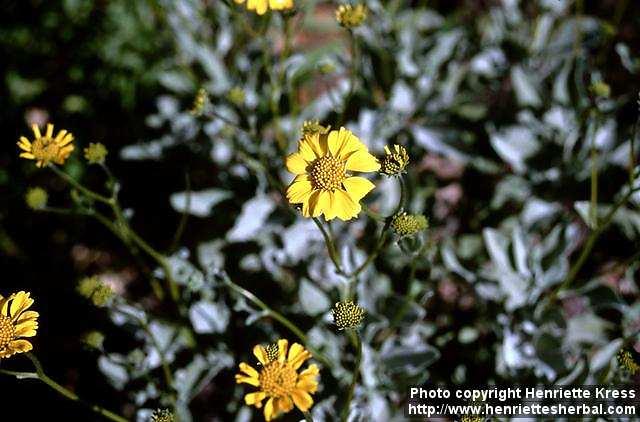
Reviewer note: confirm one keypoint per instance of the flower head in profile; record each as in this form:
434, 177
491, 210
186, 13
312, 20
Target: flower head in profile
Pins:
395, 161
278, 379
261, 6
626, 361
323, 183
404, 224
350, 16
46, 149
17, 324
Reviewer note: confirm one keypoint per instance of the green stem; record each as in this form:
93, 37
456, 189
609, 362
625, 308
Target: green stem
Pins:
354, 380
331, 247
307, 416
40, 374
73, 182
591, 241
355, 60
278, 317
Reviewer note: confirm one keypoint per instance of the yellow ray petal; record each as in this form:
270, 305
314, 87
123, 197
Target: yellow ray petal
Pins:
248, 369
283, 346
36, 131
260, 354
345, 206
269, 411
357, 187
298, 192
297, 355
20, 346
247, 380
255, 399
49, 132
302, 400
21, 302
296, 163
362, 161
27, 155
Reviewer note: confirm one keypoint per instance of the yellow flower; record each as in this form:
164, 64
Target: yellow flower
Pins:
261, 6
323, 184
16, 323
46, 149
279, 381
36, 198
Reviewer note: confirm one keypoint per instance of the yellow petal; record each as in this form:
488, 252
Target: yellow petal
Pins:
26, 331
330, 211
317, 143
269, 411
247, 380
239, 1
362, 161
306, 151
248, 369
312, 205
20, 346
283, 346
297, 355
27, 155
298, 192
21, 302
255, 399
49, 132
302, 399
261, 354
318, 201
357, 187
343, 143
4, 310
296, 163
345, 206
36, 131
67, 139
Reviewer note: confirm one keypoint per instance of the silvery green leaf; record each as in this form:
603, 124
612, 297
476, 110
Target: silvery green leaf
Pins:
605, 355
514, 144
198, 203
586, 328
402, 98
184, 272
410, 359
116, 373
252, 219
209, 317
313, 300
452, 263
176, 81
210, 255
526, 87
467, 335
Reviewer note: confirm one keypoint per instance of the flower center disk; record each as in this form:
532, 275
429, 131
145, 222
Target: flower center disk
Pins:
278, 379
7, 331
45, 149
327, 173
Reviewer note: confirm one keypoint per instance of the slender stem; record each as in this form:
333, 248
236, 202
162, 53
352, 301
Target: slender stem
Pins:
73, 182
40, 374
354, 380
278, 317
355, 60
591, 241
593, 210
307, 416
185, 214
331, 247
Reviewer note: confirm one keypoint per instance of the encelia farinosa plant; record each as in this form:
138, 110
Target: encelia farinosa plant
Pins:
322, 211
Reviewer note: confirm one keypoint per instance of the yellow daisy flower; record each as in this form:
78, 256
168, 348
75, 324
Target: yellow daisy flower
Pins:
46, 149
278, 379
323, 184
261, 6
16, 323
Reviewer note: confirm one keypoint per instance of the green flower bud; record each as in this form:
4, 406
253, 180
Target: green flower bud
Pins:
95, 153
36, 198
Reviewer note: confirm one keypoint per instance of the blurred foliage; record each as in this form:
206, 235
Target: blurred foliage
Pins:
507, 110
